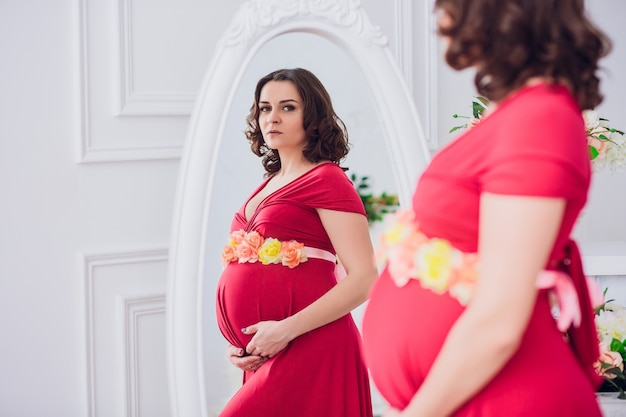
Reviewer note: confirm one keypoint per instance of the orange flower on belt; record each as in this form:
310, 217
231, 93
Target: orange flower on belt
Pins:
292, 253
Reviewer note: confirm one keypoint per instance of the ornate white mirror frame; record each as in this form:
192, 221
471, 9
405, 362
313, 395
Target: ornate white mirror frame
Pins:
345, 24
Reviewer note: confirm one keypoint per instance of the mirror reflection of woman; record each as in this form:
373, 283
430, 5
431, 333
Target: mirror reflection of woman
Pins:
460, 321
280, 302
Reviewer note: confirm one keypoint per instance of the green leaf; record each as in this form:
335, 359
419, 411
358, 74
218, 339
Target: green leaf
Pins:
617, 345
602, 307
477, 110
483, 100
455, 128
593, 154
614, 371
616, 386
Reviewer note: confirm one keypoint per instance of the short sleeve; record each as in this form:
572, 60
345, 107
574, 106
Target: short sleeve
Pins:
330, 188
544, 155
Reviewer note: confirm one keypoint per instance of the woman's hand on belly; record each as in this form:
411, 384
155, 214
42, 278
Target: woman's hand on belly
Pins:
270, 337
248, 363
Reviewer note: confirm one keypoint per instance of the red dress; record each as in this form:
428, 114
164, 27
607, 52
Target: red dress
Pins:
320, 373
534, 144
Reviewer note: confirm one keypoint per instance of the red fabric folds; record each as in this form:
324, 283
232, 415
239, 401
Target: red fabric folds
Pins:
584, 338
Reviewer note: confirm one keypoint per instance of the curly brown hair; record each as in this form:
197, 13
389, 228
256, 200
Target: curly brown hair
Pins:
327, 136
510, 41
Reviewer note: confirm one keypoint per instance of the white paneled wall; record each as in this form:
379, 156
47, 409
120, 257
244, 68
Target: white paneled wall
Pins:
95, 97
141, 63
125, 326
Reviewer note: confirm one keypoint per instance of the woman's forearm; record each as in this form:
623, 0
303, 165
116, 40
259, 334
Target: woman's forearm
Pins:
348, 294
475, 350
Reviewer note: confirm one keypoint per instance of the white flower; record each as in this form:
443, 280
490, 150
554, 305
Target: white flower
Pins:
592, 120
609, 145
616, 152
611, 323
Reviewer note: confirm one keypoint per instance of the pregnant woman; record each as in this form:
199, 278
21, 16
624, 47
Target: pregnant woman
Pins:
280, 303
460, 322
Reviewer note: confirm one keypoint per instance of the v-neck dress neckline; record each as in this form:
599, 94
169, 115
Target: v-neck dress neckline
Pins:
273, 193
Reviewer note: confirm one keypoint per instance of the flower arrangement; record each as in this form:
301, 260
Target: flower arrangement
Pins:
252, 247
611, 326
376, 206
607, 145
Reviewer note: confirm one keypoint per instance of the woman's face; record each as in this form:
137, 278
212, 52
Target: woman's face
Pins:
281, 116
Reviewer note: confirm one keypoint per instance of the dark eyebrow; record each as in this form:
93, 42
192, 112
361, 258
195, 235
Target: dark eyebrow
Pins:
280, 102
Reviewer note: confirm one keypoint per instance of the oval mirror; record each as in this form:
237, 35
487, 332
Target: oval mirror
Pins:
338, 43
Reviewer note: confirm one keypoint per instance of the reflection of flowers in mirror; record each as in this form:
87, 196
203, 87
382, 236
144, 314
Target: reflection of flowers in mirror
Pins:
607, 145
611, 326
376, 206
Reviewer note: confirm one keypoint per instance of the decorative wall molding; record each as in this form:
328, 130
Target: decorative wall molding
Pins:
132, 310
142, 103
403, 16
431, 88
87, 151
89, 264
83, 85
258, 14
89, 154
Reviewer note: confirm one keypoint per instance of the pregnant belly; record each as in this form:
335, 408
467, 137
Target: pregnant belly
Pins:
403, 330
249, 293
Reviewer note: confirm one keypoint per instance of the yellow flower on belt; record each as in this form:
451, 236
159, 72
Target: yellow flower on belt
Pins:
436, 259
434, 262
270, 251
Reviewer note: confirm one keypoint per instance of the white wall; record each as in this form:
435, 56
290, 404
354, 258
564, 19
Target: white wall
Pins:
95, 98
87, 201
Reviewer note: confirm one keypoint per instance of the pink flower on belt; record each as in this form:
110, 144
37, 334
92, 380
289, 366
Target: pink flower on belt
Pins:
248, 249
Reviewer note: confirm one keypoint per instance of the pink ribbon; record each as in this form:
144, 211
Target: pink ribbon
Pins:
340, 271
567, 297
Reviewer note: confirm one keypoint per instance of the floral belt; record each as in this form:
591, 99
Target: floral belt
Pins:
435, 263
442, 268
251, 247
